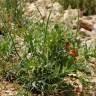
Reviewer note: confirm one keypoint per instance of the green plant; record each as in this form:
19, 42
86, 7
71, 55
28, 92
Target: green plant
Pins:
54, 53
89, 7
22, 92
50, 64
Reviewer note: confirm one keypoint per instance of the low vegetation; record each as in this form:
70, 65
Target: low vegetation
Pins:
49, 55
88, 6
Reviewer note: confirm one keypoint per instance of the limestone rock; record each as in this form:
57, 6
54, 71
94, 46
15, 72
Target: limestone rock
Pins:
44, 7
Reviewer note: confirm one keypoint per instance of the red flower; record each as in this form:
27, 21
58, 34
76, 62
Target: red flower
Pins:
73, 53
78, 91
67, 46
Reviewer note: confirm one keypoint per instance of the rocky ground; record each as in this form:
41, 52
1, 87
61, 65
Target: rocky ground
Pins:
59, 15
7, 89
